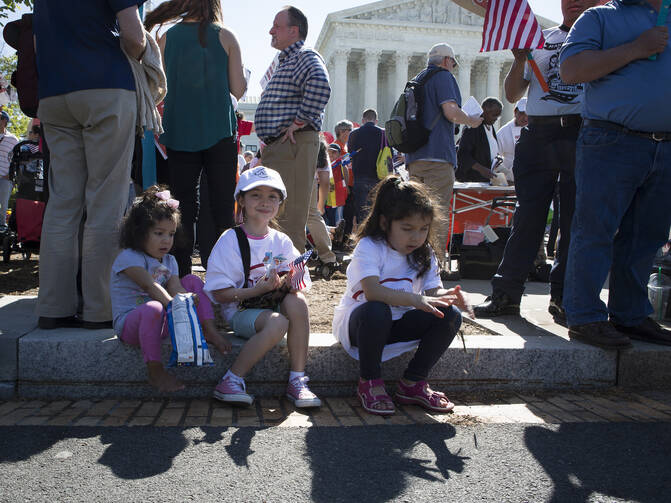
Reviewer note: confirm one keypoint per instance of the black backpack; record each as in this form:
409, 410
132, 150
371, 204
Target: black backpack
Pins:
19, 35
404, 129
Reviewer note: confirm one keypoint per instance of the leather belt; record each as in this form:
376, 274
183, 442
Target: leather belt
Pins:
572, 120
662, 136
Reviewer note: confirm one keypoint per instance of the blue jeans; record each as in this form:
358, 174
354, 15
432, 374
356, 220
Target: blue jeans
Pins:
622, 217
544, 161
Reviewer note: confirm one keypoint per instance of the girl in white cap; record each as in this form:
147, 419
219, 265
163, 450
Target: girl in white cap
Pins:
250, 274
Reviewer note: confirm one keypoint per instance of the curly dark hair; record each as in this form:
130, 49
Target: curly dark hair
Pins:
147, 210
395, 199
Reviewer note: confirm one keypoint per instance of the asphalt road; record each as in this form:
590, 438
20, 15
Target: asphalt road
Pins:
572, 462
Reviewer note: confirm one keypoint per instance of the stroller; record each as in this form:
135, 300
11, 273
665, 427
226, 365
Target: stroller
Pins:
27, 170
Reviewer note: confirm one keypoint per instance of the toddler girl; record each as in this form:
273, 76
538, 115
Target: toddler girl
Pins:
394, 299
259, 194
144, 280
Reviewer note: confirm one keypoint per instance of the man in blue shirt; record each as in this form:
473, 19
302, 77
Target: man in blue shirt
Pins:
433, 163
623, 170
88, 108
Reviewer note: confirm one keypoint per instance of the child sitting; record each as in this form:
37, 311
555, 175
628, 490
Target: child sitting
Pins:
394, 299
144, 280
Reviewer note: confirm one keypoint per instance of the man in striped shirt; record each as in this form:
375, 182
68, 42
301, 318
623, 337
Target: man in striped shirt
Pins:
289, 117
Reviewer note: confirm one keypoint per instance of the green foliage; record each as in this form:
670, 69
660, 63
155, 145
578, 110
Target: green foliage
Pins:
9, 6
18, 123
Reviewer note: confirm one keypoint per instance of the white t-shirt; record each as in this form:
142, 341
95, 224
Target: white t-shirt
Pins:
7, 142
507, 136
563, 99
373, 257
225, 269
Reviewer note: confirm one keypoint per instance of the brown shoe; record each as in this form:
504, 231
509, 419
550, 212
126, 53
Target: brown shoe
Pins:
601, 334
648, 331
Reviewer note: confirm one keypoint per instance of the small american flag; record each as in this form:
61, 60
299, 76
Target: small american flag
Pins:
510, 24
297, 267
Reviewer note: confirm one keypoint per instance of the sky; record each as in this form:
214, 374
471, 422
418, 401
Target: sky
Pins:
251, 20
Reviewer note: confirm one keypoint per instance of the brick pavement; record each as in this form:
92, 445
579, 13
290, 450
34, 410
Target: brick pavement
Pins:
613, 405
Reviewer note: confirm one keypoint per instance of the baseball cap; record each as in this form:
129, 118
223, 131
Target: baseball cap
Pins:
444, 51
4, 115
521, 105
335, 146
258, 176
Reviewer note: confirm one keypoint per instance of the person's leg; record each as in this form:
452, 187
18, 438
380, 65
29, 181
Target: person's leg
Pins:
194, 284
348, 215
184, 169
5, 191
270, 328
108, 117
59, 243
317, 228
554, 226
220, 165
296, 163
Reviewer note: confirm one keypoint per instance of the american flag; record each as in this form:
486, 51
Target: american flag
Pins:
510, 24
297, 267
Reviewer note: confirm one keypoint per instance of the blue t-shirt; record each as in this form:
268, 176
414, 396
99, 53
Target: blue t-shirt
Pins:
125, 294
78, 46
637, 95
440, 88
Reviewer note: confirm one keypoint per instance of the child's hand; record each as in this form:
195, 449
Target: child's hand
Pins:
430, 305
458, 298
268, 283
286, 279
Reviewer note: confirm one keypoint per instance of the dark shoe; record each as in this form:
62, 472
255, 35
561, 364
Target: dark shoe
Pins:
557, 311
648, 331
498, 304
599, 333
46, 323
96, 325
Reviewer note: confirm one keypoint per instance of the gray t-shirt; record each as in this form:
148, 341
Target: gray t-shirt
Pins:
125, 294
563, 99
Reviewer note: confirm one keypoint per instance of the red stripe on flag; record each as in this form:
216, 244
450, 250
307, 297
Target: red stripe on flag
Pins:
510, 24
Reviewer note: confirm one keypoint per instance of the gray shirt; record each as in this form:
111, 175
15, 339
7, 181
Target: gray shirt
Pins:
125, 294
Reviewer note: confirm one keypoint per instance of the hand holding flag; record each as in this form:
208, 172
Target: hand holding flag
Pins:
297, 271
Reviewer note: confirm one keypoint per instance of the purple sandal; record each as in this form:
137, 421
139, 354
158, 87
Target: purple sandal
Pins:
420, 394
369, 401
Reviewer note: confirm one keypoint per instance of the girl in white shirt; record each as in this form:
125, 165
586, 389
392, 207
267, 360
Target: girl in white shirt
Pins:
259, 194
395, 300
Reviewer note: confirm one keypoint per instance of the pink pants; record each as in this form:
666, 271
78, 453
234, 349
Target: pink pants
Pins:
146, 325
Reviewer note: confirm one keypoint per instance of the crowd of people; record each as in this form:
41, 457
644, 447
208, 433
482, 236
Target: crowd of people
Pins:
594, 138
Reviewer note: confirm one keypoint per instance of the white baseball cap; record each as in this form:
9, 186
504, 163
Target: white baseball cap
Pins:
444, 51
521, 105
258, 176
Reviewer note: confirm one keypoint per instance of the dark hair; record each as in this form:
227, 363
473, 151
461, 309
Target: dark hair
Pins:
322, 155
395, 199
491, 102
369, 114
207, 11
297, 18
147, 211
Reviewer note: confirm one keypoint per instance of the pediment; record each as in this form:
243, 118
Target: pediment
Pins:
418, 11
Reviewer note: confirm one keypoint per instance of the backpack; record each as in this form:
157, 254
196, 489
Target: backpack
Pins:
404, 129
19, 35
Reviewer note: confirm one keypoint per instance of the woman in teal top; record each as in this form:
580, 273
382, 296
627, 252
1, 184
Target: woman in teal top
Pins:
204, 67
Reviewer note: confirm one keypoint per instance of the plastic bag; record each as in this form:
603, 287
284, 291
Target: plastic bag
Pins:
188, 344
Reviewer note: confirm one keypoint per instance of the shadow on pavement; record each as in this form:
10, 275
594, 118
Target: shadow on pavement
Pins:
374, 464
629, 461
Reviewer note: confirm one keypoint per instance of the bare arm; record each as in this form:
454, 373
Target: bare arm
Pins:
131, 32
515, 84
587, 66
161, 45
374, 291
144, 280
456, 115
323, 178
236, 75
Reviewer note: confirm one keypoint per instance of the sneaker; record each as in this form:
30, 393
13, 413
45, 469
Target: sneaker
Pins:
497, 304
233, 392
299, 393
649, 331
557, 311
599, 333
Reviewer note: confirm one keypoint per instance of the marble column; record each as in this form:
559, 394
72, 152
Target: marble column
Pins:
339, 84
371, 61
494, 66
464, 76
401, 60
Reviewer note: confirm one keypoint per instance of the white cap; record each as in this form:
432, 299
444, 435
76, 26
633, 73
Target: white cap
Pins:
522, 105
258, 176
444, 51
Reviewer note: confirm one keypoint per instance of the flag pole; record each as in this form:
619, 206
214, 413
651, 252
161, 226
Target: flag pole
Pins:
661, 19
537, 72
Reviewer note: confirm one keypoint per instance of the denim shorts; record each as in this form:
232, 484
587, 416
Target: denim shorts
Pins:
242, 322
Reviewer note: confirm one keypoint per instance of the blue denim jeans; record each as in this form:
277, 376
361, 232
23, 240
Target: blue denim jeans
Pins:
622, 217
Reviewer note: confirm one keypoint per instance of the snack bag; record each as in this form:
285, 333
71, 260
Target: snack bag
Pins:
188, 344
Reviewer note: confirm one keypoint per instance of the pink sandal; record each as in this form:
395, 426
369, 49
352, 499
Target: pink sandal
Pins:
369, 401
420, 394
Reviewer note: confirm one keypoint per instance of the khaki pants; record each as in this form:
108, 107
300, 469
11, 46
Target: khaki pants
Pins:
318, 230
296, 164
91, 138
439, 177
